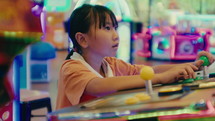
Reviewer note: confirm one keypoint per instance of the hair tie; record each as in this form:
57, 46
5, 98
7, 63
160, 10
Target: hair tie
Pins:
74, 49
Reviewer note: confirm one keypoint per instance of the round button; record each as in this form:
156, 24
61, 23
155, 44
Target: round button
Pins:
205, 59
147, 73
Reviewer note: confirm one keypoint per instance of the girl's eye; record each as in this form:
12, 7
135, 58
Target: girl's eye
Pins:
107, 28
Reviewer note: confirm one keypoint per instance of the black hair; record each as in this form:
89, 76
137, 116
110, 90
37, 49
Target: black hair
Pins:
81, 20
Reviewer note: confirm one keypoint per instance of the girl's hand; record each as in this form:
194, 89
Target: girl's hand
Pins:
210, 57
181, 71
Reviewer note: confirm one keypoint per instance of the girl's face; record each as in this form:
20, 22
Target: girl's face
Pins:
103, 41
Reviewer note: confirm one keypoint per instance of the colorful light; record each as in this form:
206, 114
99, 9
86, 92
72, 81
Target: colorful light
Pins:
160, 113
57, 5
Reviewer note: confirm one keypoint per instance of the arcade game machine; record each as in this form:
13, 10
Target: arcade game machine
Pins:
18, 28
183, 101
172, 45
204, 24
186, 100
175, 35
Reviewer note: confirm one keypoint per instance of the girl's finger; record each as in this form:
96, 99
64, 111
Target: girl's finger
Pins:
191, 73
198, 63
183, 72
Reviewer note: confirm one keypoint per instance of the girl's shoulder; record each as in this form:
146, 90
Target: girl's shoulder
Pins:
114, 60
122, 68
71, 63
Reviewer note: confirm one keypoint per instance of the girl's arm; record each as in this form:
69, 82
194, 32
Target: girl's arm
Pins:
101, 86
198, 63
163, 68
164, 74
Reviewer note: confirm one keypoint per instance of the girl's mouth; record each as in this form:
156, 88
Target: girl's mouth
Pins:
115, 46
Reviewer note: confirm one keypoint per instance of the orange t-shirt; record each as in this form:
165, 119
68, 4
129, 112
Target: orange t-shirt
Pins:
74, 76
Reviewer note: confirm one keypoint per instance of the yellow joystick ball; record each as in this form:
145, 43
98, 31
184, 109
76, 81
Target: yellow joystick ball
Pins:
147, 73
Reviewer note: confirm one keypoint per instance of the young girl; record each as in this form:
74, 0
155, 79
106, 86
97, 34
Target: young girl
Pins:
91, 69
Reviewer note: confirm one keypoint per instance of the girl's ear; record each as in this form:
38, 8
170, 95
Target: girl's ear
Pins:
81, 39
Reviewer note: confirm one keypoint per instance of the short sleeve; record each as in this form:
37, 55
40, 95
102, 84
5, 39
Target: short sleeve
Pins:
75, 76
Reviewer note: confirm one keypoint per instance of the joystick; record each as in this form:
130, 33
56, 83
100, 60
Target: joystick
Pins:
147, 73
205, 66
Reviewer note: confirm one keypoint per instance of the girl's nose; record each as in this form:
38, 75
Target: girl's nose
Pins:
115, 36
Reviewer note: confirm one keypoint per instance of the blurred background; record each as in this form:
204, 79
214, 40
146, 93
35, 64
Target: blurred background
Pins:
151, 32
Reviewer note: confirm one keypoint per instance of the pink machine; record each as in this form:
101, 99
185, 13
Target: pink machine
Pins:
167, 44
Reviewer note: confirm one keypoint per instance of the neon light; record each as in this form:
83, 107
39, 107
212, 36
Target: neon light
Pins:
166, 43
173, 47
57, 5
161, 113
156, 33
194, 17
212, 50
200, 40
